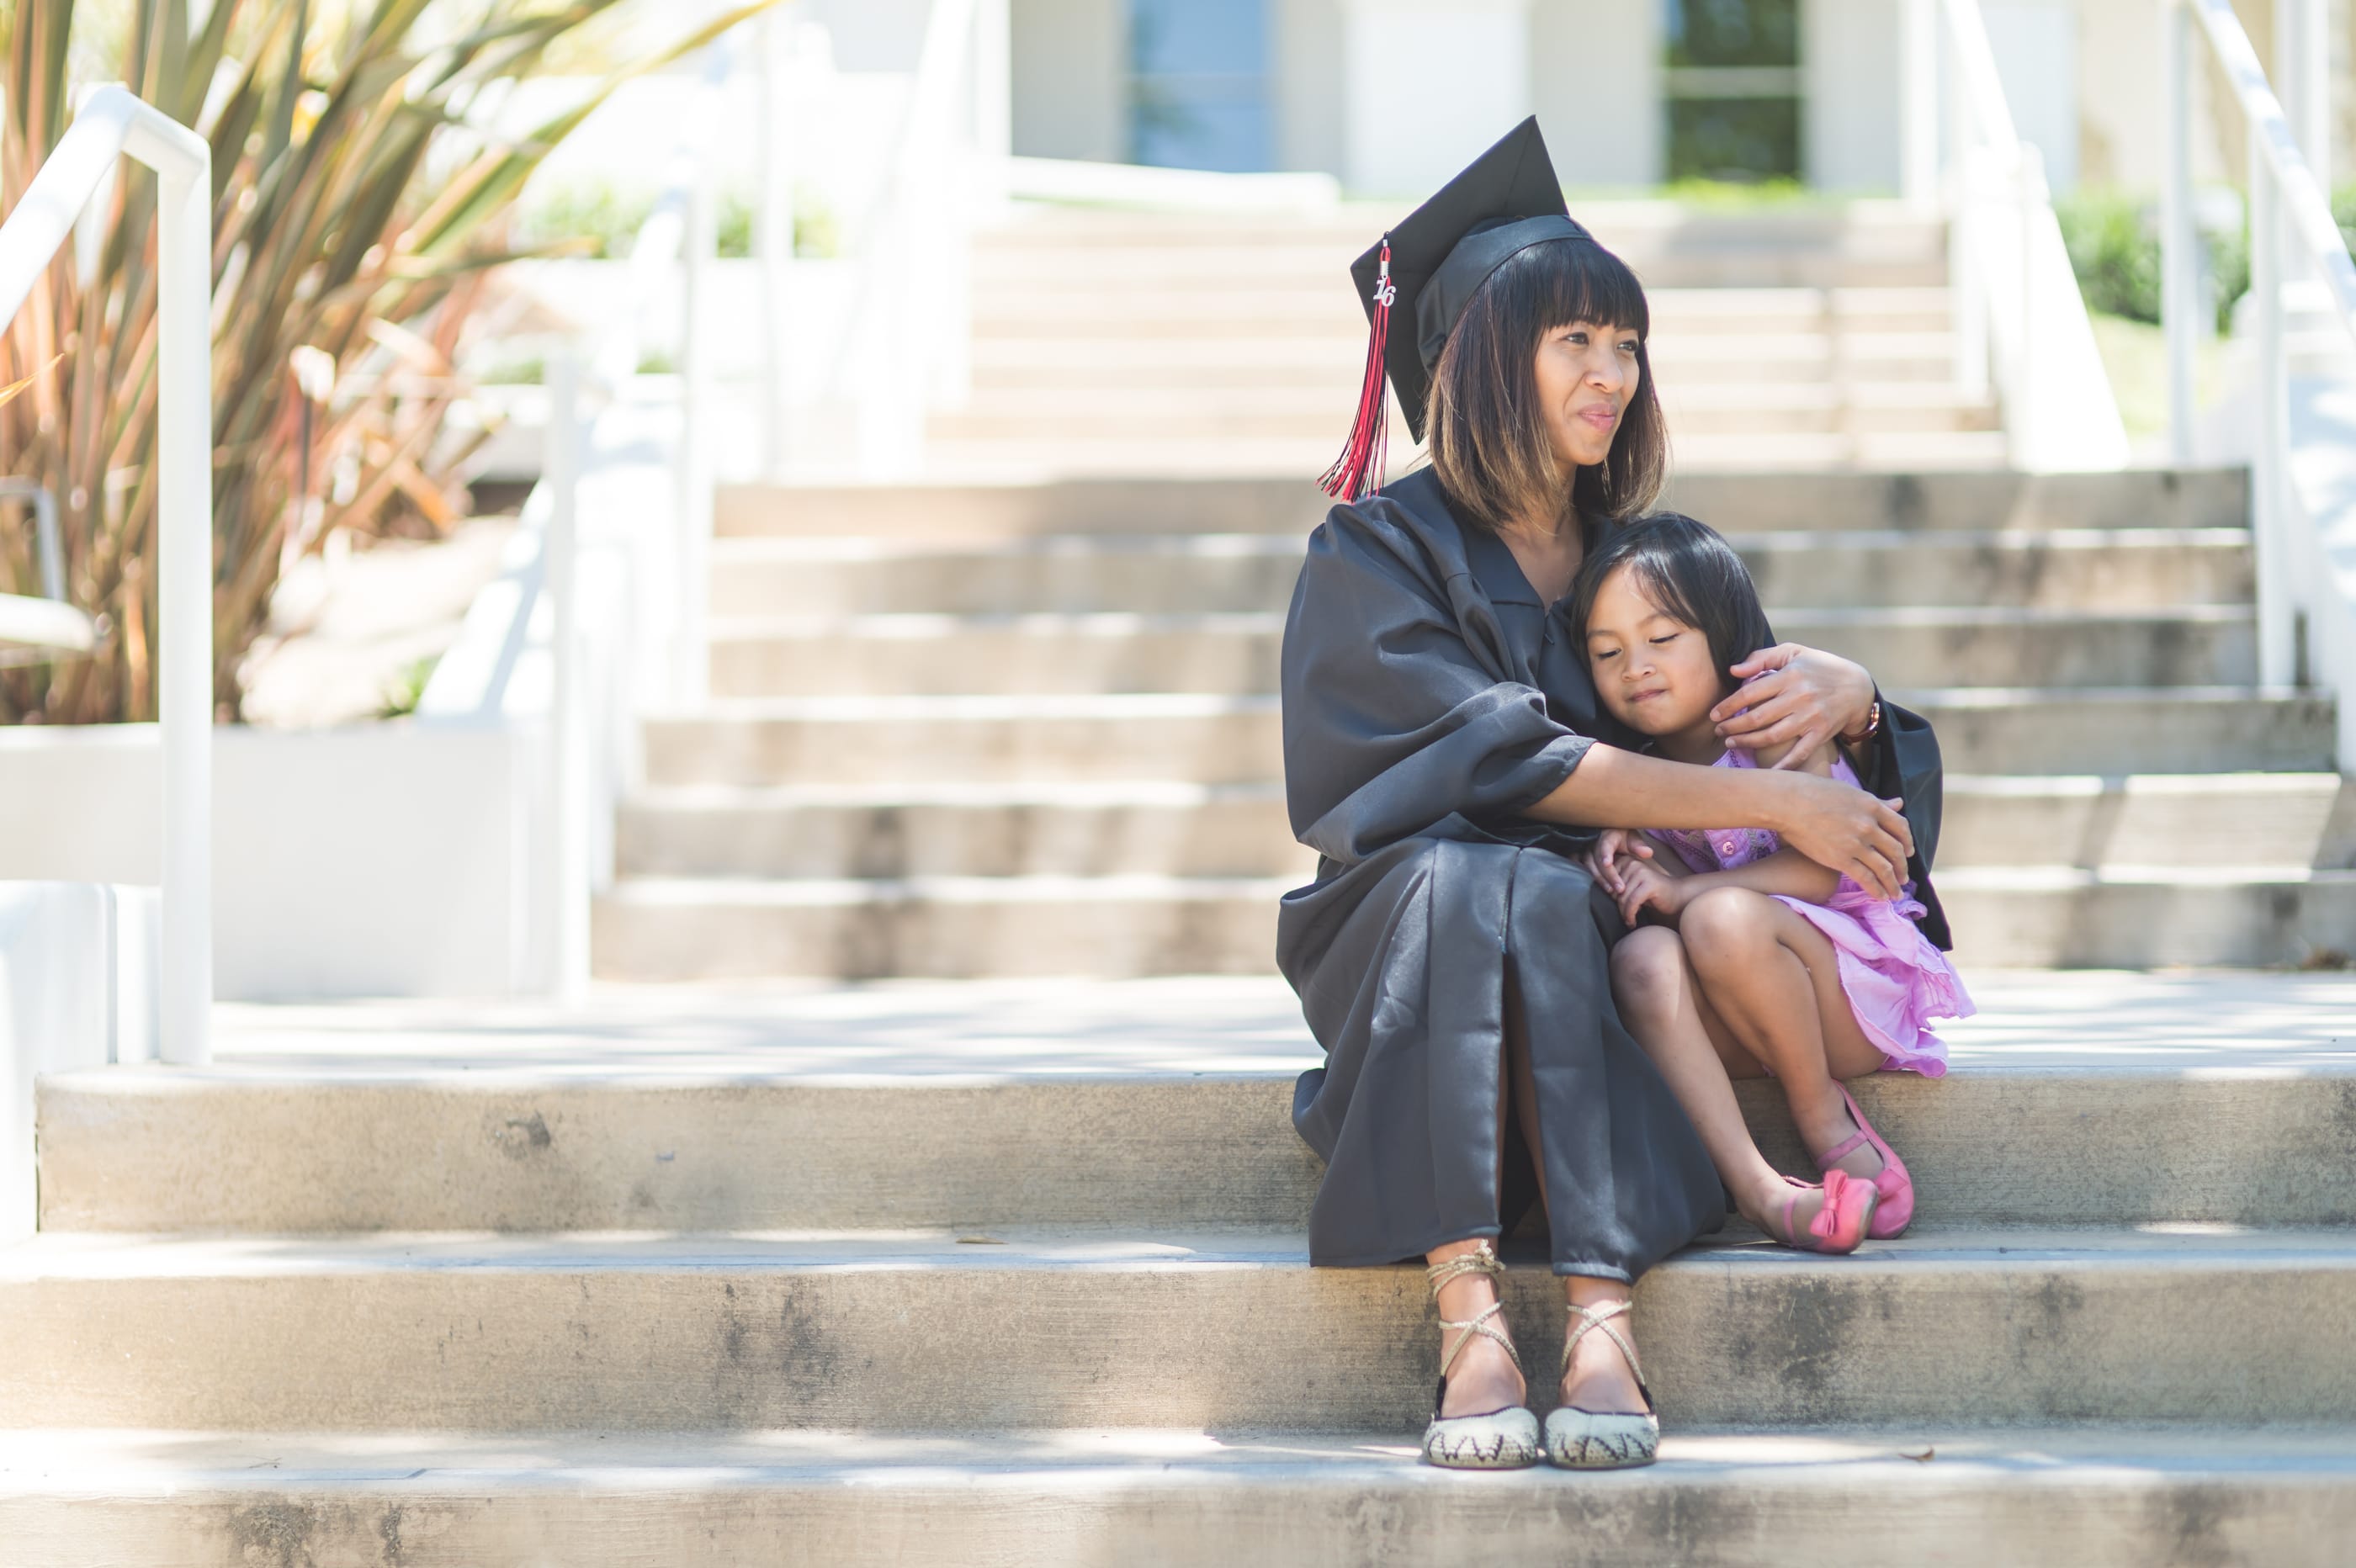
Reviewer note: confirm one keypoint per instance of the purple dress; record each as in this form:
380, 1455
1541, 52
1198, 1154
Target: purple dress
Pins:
1896, 981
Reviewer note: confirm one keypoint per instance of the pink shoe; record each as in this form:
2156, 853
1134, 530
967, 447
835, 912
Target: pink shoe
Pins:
1841, 1225
1896, 1187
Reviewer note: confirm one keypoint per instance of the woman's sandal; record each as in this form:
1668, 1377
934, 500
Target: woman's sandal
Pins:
1580, 1439
1896, 1210
1840, 1226
1505, 1439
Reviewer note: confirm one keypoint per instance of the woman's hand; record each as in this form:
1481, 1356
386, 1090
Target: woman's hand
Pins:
1806, 697
1617, 851
1648, 887
1849, 831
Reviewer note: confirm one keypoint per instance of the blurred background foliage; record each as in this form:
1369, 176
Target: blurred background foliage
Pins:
360, 203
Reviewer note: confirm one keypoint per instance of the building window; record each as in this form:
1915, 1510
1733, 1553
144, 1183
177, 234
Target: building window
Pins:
1198, 84
1733, 89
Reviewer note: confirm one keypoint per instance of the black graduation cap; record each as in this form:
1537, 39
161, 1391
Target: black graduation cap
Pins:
1431, 266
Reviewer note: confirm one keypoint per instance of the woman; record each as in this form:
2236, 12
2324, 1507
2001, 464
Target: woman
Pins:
1445, 756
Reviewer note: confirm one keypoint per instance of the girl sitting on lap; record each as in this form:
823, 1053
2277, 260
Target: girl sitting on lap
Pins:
1753, 958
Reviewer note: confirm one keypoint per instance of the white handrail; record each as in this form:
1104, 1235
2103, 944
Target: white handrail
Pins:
110, 123
2297, 587
2018, 306
913, 298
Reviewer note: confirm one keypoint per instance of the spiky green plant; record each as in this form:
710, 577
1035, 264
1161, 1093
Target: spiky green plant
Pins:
343, 271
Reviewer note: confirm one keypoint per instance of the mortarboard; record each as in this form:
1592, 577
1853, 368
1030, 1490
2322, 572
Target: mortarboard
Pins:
1431, 266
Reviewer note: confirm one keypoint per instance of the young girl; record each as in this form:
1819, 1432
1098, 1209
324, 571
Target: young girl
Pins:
1778, 965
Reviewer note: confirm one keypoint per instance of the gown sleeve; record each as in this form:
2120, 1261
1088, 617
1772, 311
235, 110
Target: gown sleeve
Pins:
1399, 711
1902, 763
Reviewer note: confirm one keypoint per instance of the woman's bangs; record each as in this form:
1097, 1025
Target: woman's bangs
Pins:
1583, 281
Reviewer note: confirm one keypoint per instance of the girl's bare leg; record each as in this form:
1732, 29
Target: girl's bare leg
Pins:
1773, 981
1662, 1002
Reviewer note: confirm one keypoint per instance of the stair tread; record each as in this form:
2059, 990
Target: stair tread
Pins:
918, 624
99, 1461
92, 1255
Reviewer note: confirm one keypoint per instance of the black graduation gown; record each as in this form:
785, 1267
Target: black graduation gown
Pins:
1428, 698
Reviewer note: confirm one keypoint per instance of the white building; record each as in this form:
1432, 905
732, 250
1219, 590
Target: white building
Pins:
1393, 95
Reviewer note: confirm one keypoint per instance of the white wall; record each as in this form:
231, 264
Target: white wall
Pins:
1307, 82
1595, 82
390, 859
77, 989
1071, 80
2035, 45
1429, 87
1850, 128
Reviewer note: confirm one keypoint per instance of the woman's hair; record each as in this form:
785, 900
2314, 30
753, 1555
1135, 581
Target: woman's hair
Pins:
1489, 440
1688, 570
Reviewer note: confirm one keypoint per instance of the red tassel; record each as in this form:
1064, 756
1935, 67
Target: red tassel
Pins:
1359, 470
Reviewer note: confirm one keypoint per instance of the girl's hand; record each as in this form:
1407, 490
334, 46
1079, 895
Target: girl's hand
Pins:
1805, 699
1617, 851
1849, 831
1648, 887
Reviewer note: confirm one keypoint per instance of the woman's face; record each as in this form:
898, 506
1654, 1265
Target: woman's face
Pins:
1652, 670
1586, 373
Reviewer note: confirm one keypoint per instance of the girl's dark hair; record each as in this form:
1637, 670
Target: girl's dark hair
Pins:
1488, 436
1686, 569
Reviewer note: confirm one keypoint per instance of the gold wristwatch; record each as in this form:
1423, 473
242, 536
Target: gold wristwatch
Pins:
1872, 726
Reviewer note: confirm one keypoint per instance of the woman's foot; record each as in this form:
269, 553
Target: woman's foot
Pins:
1478, 1421
1599, 1377
1484, 1376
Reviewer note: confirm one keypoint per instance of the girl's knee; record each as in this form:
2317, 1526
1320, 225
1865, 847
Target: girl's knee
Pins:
1648, 968
1727, 922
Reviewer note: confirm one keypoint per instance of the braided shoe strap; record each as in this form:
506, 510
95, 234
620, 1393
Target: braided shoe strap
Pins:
1482, 1260
1599, 1318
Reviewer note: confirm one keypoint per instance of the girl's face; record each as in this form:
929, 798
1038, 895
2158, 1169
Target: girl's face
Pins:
1585, 374
1653, 672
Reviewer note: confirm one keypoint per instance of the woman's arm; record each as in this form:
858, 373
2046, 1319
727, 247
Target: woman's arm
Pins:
1844, 829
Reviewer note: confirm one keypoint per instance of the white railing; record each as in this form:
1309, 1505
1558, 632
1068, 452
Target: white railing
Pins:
907, 351
2019, 317
108, 124
2306, 600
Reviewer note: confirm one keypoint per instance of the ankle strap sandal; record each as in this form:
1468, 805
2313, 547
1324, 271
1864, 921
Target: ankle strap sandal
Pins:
1503, 1439
1580, 1439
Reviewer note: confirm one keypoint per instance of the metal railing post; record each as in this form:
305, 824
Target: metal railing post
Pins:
184, 460
1918, 24
567, 757
774, 244
1967, 284
2267, 468
2179, 301
691, 590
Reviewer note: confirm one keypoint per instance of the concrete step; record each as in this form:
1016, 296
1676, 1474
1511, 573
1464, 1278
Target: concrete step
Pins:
2137, 916
2134, 1131
927, 1333
649, 928
1205, 739
2092, 568
1035, 309
904, 654
2293, 821
1910, 503
2034, 1496
1157, 412
1331, 362
1042, 459
2041, 916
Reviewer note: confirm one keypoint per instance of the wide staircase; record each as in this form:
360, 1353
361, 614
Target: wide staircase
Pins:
1023, 719
977, 1273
